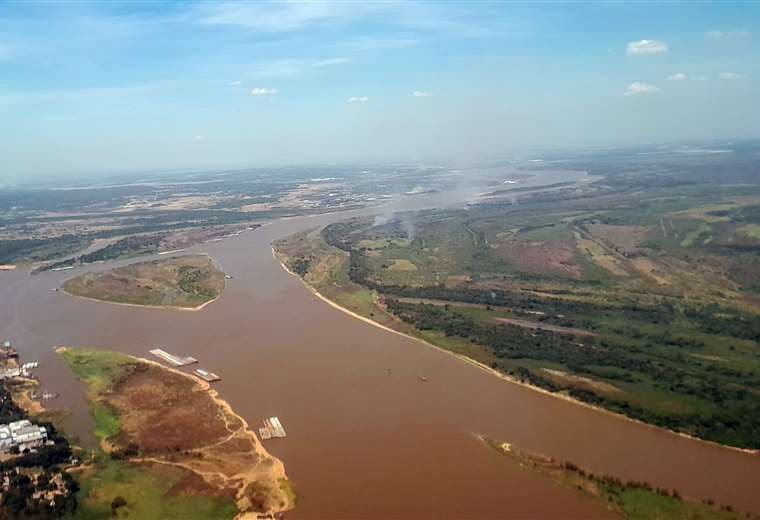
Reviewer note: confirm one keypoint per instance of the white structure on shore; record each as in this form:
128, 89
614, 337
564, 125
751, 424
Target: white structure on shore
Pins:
23, 434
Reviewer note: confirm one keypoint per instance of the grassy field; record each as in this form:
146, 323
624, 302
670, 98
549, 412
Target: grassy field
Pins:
99, 371
148, 491
184, 282
646, 305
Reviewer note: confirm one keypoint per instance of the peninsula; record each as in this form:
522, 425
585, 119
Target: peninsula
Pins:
170, 447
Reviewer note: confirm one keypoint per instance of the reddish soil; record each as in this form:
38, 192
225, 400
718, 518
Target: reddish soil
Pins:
623, 239
555, 257
163, 411
193, 484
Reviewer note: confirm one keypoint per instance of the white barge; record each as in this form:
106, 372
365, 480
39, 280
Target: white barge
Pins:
272, 429
177, 361
206, 375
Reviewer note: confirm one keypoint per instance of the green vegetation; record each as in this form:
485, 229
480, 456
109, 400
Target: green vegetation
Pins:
130, 246
288, 490
147, 491
643, 305
699, 236
751, 230
632, 500
40, 249
99, 371
111, 486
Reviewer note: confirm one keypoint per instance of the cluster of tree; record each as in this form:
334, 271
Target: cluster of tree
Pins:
39, 249
338, 234
713, 319
18, 501
189, 278
134, 245
615, 485
300, 265
730, 415
553, 308
510, 341
749, 214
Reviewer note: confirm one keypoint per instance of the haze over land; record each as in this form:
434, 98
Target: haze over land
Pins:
379, 259
103, 87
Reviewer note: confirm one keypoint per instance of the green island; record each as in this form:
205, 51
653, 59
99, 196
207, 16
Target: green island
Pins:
631, 500
637, 292
169, 447
185, 282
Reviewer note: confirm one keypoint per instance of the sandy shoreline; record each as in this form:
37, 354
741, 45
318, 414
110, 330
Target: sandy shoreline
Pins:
501, 375
147, 306
141, 306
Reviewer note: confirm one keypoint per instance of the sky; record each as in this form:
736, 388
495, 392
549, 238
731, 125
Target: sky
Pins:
109, 86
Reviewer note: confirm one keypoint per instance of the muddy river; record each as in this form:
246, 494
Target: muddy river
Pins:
363, 441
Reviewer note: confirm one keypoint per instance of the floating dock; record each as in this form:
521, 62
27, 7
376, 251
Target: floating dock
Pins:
172, 359
170, 252
272, 429
206, 375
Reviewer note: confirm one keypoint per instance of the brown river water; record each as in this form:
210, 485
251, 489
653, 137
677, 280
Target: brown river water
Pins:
364, 442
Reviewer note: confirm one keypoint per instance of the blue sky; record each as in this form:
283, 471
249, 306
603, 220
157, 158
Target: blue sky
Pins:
110, 86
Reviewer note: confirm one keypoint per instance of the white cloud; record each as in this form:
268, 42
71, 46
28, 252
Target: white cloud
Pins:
722, 35
420, 93
270, 16
358, 99
643, 47
637, 88
678, 76
731, 75
236, 83
263, 91
329, 62
199, 138
374, 43
287, 68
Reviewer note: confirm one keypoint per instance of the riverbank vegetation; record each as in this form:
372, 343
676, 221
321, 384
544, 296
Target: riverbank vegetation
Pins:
630, 499
170, 448
637, 293
183, 281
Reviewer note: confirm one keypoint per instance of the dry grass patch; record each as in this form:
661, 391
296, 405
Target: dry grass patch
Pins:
402, 264
183, 282
551, 257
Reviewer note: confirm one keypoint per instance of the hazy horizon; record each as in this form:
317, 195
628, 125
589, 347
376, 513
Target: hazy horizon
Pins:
118, 87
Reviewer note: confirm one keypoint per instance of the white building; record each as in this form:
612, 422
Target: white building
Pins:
23, 434
6, 440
